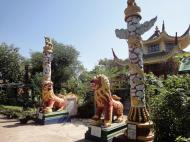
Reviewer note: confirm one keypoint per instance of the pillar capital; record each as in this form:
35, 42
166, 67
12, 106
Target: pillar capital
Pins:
132, 9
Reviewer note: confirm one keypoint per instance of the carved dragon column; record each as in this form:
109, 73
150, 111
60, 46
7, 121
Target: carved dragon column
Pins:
138, 113
47, 58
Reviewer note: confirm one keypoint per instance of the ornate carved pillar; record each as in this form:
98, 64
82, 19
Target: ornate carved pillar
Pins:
47, 84
138, 113
47, 58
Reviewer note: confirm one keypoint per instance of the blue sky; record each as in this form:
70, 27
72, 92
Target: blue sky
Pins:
88, 25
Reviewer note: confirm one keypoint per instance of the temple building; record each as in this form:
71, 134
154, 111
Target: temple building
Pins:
161, 48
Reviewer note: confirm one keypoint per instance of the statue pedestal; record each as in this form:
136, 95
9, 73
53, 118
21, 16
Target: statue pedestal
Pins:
53, 117
98, 134
141, 132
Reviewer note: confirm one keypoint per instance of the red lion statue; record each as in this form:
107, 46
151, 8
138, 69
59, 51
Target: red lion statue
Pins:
50, 100
105, 103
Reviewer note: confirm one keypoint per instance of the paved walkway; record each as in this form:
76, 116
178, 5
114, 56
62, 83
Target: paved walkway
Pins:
12, 131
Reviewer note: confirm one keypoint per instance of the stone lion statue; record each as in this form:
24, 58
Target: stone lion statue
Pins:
50, 100
105, 103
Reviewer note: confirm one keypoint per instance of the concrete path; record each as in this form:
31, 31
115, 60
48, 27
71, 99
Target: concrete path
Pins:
12, 131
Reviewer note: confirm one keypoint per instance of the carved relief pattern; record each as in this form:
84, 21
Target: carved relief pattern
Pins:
47, 58
135, 57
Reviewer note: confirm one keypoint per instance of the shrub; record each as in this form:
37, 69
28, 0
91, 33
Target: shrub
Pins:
11, 111
182, 139
29, 114
170, 108
153, 87
17, 112
3, 97
86, 109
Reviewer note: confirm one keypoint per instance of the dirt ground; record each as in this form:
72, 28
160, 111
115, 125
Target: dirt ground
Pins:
12, 131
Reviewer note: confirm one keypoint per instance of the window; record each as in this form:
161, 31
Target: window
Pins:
169, 46
153, 48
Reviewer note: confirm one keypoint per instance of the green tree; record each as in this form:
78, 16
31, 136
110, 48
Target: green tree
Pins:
37, 62
153, 87
109, 68
86, 102
11, 63
36, 83
64, 64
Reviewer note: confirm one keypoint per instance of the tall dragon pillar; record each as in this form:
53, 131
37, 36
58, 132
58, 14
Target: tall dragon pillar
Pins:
47, 83
47, 58
138, 113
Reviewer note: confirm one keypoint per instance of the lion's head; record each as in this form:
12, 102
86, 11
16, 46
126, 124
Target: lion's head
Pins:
100, 82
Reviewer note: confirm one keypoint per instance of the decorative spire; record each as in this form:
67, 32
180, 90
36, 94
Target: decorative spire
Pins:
157, 32
132, 9
48, 45
156, 29
176, 39
163, 26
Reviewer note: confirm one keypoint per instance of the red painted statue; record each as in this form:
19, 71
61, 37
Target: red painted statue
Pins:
106, 104
50, 100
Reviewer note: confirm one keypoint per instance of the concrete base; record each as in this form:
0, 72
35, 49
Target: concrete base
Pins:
98, 134
53, 118
141, 132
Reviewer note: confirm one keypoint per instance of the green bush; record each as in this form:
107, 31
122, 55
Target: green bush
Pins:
36, 83
168, 114
86, 109
153, 87
169, 107
29, 114
11, 111
17, 112
182, 139
3, 97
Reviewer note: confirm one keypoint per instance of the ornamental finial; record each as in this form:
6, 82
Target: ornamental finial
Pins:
132, 9
48, 45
